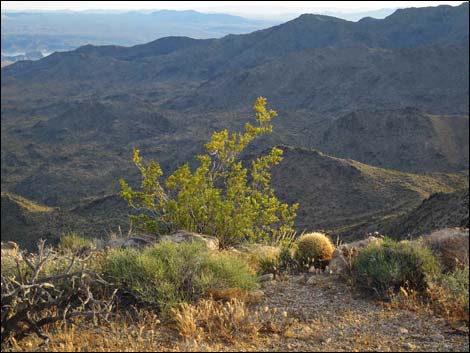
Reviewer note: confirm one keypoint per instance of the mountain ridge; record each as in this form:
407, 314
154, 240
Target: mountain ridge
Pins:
71, 120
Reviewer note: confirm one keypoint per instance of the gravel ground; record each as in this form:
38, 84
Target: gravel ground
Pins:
339, 319
325, 315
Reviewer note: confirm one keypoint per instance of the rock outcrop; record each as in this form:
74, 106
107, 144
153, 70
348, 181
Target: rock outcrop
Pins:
180, 236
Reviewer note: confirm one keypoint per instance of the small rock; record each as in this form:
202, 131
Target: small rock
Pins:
403, 331
312, 280
437, 337
256, 296
312, 269
409, 346
136, 242
266, 278
288, 333
306, 332
302, 279
210, 242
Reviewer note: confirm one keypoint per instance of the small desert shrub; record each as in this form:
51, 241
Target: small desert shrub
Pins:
449, 293
314, 249
261, 258
74, 242
286, 261
226, 270
167, 274
451, 247
270, 259
391, 266
282, 263
268, 265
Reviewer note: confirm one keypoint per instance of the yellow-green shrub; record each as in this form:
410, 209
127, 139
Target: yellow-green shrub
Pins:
314, 249
221, 197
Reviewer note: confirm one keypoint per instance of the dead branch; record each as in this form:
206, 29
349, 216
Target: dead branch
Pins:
32, 299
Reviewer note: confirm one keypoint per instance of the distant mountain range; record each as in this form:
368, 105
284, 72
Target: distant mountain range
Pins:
66, 30
386, 101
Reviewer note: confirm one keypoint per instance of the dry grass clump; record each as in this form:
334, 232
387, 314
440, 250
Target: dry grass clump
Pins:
314, 249
450, 246
132, 331
230, 321
447, 296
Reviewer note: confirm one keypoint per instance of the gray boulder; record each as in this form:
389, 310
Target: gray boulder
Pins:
136, 242
180, 236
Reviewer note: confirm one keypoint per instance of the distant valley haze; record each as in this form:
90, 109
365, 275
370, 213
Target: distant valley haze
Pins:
33, 29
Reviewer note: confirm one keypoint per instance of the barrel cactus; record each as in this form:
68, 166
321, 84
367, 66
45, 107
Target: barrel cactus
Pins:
314, 249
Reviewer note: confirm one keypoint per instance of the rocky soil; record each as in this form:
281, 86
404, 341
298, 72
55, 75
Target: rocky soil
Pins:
335, 318
327, 316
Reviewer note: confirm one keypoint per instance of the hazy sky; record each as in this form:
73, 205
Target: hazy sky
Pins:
258, 9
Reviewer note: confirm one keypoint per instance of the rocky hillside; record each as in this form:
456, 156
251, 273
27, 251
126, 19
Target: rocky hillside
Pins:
25, 221
402, 139
441, 210
342, 196
413, 57
334, 193
391, 94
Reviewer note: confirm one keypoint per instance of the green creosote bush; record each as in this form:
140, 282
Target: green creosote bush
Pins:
221, 197
167, 274
385, 267
313, 249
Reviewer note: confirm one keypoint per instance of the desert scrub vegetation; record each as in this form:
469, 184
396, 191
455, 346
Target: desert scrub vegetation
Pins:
227, 321
168, 274
47, 287
390, 265
74, 242
222, 197
449, 294
278, 262
313, 249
